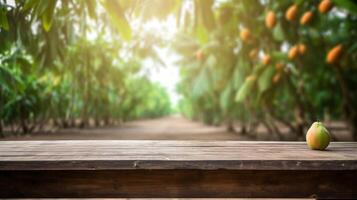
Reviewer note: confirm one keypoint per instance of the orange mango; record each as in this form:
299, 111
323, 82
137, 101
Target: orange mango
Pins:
334, 54
276, 78
199, 55
302, 49
270, 20
325, 6
291, 12
318, 137
279, 66
253, 54
293, 52
266, 59
306, 18
245, 34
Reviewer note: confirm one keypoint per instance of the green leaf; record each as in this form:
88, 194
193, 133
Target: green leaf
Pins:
201, 84
3, 19
278, 55
242, 69
41, 7
200, 30
278, 33
47, 16
206, 14
245, 90
225, 97
349, 5
314, 33
352, 49
91, 8
202, 35
30, 4
265, 79
117, 17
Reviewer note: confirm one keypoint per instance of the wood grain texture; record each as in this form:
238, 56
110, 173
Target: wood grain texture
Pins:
176, 169
204, 155
179, 184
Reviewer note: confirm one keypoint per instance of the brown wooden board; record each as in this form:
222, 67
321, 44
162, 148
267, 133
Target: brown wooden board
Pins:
179, 184
175, 169
111, 155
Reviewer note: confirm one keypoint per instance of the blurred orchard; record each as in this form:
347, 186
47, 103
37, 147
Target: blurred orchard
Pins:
252, 62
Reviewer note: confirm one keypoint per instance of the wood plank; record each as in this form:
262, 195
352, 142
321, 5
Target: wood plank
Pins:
176, 169
134, 155
179, 184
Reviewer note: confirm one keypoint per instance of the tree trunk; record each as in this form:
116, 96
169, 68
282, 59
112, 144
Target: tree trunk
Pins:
243, 129
349, 109
229, 125
1, 130
24, 126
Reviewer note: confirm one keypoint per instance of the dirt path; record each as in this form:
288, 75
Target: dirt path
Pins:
167, 128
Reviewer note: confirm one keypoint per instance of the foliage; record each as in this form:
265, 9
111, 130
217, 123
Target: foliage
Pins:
252, 61
60, 62
246, 73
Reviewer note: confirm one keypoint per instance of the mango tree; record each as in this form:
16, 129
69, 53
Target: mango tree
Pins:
269, 62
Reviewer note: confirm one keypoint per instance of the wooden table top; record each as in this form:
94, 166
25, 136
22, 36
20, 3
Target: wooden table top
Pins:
149, 154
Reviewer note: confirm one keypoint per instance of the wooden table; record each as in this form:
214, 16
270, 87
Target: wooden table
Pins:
176, 169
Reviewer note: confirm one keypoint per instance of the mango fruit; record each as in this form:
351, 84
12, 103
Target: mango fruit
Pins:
279, 66
325, 6
270, 20
199, 55
253, 54
302, 49
334, 54
318, 137
293, 52
266, 59
245, 34
306, 18
276, 78
291, 12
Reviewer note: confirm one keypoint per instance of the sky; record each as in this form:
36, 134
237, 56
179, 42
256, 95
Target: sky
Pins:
168, 76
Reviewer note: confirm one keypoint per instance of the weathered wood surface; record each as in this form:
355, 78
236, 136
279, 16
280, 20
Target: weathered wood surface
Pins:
112, 155
176, 169
179, 184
